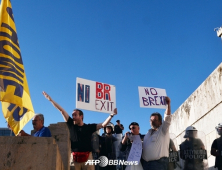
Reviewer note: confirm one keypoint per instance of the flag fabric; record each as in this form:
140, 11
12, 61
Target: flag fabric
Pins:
14, 92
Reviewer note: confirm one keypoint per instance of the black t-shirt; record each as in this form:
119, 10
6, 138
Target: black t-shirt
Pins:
214, 145
80, 136
117, 129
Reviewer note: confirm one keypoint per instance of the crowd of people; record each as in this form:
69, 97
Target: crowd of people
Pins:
158, 150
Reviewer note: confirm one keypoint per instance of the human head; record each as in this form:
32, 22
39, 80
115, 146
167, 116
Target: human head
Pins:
134, 128
219, 129
77, 116
118, 121
38, 122
190, 132
155, 120
109, 129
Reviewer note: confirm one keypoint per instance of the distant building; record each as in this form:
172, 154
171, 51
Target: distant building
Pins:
6, 132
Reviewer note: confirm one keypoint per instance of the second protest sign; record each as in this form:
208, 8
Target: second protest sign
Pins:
151, 97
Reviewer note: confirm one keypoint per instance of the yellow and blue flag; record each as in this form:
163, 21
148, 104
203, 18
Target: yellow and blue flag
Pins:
14, 92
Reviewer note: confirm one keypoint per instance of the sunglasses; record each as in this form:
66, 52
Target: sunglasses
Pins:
132, 128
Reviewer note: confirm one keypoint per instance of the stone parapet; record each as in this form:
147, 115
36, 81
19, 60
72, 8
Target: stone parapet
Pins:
31, 153
60, 133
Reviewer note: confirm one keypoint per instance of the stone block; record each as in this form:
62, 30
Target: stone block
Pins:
29, 155
60, 133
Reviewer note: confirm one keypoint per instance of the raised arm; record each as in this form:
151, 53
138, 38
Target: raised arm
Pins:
168, 109
57, 106
101, 125
167, 117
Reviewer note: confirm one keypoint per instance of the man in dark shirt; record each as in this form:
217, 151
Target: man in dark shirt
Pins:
80, 135
118, 127
118, 134
216, 148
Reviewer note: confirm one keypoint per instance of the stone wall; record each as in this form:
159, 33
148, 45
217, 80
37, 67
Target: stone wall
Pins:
32, 153
203, 110
60, 133
29, 153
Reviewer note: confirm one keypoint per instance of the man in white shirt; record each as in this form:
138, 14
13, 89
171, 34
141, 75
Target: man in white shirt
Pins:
156, 141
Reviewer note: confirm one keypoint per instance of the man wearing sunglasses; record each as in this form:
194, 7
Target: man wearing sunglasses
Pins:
156, 141
38, 125
126, 143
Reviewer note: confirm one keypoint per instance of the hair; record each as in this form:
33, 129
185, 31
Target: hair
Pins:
157, 114
41, 117
133, 123
80, 112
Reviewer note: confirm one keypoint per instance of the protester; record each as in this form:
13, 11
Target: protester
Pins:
156, 141
38, 125
190, 150
118, 127
107, 146
118, 134
216, 148
126, 143
80, 135
96, 146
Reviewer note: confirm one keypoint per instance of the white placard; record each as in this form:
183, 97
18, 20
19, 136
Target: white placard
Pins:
135, 153
151, 97
95, 96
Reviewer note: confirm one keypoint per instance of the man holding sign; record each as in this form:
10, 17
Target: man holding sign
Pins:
156, 141
80, 135
132, 146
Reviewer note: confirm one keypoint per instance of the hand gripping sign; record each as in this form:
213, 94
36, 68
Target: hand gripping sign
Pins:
151, 97
95, 96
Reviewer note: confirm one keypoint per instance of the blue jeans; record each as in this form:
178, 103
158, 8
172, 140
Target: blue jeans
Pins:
161, 164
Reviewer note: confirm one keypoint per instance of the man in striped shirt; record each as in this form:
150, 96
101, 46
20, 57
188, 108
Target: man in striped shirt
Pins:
156, 141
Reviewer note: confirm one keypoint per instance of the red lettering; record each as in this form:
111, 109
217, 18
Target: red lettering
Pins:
107, 89
99, 90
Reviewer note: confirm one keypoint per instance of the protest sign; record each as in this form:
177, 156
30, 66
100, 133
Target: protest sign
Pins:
135, 153
151, 97
95, 96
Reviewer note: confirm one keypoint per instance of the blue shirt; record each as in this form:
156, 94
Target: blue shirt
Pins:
43, 132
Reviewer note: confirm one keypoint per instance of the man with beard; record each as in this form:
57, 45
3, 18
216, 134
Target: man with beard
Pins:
80, 135
156, 141
216, 148
38, 125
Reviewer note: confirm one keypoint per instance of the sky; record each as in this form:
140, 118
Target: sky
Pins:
127, 43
